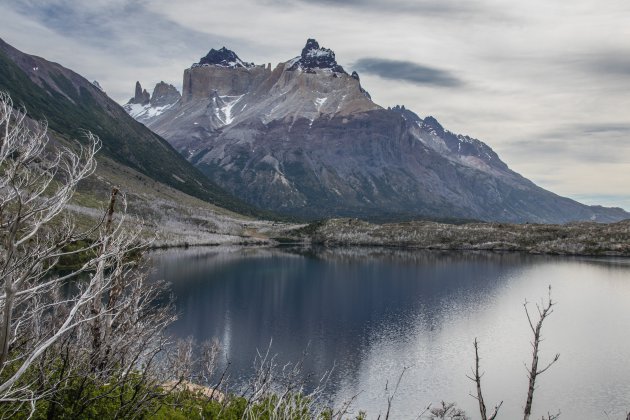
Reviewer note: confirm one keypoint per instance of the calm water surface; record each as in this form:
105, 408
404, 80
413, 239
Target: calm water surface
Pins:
370, 313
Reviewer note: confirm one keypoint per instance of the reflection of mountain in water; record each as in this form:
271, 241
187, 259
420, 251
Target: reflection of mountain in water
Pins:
334, 302
370, 311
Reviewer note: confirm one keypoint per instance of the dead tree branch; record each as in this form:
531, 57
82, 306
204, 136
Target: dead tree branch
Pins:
479, 397
544, 310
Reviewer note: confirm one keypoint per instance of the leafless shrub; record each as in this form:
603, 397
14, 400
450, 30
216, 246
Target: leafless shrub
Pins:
447, 411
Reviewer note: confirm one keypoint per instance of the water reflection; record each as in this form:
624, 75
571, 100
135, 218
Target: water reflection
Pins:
369, 312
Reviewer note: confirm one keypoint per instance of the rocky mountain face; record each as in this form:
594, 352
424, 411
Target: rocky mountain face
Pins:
306, 139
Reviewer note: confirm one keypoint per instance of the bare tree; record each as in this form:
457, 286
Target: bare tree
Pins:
108, 331
392, 395
544, 310
479, 397
35, 186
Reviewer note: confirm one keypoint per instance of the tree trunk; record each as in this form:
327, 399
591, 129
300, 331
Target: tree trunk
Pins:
5, 330
9, 291
532, 374
97, 303
482, 405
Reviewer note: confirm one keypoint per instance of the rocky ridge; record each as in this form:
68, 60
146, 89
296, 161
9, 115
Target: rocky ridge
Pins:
141, 96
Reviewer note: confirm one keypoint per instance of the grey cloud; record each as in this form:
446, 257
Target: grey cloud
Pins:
597, 142
608, 200
445, 8
611, 130
407, 71
125, 28
432, 7
124, 41
606, 63
612, 63
604, 128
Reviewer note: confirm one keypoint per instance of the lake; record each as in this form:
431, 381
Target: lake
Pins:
368, 313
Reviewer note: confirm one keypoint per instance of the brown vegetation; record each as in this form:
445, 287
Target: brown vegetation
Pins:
584, 238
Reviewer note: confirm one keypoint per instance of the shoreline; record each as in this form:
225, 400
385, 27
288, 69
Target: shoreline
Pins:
402, 247
584, 239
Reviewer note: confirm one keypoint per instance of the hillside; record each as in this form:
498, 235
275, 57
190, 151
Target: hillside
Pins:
71, 104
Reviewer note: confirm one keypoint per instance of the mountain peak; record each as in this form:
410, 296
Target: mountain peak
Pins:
431, 123
141, 96
222, 58
315, 57
98, 85
143, 105
164, 94
406, 114
311, 45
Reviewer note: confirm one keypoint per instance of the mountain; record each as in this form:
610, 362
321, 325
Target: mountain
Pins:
306, 139
71, 104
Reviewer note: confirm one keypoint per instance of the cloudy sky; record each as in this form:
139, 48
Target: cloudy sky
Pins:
546, 83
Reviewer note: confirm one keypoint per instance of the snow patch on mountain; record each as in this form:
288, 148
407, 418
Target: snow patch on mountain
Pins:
319, 102
226, 110
140, 112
